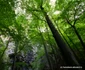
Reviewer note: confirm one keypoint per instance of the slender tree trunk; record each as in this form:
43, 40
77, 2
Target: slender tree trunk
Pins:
52, 47
79, 37
45, 49
14, 60
66, 52
63, 36
79, 52
5, 49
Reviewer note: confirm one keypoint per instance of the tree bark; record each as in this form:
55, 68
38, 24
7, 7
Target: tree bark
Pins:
65, 50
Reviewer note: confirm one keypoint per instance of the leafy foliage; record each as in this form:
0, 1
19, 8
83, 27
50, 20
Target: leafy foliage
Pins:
27, 31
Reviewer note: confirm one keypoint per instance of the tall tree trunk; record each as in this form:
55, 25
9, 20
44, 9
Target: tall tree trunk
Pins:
79, 37
66, 52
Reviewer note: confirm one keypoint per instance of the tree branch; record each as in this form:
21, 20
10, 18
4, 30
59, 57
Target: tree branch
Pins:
67, 20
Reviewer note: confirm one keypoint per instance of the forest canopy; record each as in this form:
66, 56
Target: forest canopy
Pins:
42, 34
